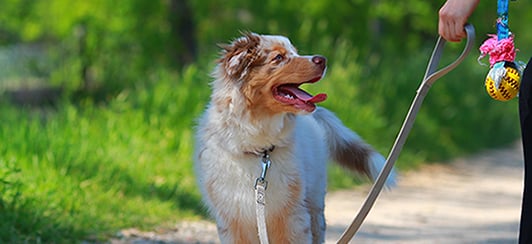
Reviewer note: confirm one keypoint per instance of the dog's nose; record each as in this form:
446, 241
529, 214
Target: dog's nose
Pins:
320, 60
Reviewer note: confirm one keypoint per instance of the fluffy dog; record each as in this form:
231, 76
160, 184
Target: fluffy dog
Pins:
257, 108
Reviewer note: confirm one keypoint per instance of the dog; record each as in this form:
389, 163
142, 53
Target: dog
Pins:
257, 109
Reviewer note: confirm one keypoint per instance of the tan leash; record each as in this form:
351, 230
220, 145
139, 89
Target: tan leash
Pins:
260, 196
431, 75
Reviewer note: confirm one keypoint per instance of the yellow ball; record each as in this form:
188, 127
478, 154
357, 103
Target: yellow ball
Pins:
502, 82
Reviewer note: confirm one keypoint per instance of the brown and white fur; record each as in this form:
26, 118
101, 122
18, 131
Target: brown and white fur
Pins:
256, 105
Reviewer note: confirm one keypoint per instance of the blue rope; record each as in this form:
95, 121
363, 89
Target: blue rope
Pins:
502, 20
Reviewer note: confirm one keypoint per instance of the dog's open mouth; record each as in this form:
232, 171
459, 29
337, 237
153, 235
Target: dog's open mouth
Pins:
291, 94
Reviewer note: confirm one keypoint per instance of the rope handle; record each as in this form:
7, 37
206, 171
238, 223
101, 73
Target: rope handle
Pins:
503, 31
431, 75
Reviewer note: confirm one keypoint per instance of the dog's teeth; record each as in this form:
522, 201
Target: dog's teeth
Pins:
289, 96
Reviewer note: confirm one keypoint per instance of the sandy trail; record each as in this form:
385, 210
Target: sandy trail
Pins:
471, 200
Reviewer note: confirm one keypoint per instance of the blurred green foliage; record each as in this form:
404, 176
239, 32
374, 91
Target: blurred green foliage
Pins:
115, 151
113, 42
83, 171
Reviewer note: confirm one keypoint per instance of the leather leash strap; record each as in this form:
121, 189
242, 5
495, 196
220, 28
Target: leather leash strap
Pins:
260, 196
431, 75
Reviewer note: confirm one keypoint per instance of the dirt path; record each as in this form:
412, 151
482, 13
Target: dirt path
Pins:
472, 200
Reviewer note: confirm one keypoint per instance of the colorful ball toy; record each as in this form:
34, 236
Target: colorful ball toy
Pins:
502, 81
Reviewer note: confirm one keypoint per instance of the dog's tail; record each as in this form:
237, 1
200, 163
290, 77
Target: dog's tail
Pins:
348, 149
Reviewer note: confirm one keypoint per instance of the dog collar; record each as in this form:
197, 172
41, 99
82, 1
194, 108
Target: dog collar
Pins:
261, 152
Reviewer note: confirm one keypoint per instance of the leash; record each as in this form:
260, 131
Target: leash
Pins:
431, 75
260, 195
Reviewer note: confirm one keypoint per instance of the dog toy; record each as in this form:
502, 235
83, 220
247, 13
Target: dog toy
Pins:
502, 81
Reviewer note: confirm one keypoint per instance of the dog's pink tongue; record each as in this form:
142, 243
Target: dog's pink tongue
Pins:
318, 98
304, 96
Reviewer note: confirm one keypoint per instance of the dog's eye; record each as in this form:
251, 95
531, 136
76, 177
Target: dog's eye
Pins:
278, 58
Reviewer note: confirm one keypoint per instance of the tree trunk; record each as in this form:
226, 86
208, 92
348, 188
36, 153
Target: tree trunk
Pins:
183, 32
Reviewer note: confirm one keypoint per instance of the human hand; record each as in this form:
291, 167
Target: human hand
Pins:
453, 16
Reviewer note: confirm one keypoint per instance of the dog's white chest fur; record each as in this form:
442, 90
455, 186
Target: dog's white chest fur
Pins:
297, 158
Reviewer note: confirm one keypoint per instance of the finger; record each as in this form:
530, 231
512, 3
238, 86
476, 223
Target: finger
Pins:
456, 31
450, 32
459, 30
443, 30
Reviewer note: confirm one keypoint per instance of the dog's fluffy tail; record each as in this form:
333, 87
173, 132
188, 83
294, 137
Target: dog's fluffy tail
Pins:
348, 149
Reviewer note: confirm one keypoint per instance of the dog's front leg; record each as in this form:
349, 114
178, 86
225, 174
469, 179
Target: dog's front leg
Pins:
235, 231
294, 227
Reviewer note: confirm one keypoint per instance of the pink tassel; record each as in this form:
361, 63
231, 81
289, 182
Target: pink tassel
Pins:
498, 51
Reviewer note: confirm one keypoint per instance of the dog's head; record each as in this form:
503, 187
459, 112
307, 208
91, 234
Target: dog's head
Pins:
267, 71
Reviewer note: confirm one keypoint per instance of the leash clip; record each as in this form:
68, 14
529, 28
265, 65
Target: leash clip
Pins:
265, 163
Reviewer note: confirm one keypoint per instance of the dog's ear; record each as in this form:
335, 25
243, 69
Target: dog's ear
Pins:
239, 56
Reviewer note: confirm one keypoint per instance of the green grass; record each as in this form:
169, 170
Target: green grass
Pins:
87, 170
84, 170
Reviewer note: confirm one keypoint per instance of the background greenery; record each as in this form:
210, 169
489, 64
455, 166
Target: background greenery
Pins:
114, 150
